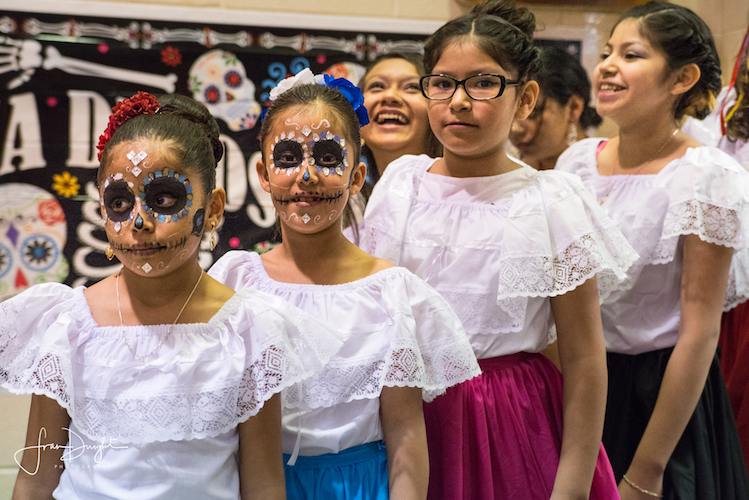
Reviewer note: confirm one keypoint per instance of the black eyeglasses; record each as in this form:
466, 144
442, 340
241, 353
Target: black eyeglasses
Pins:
478, 87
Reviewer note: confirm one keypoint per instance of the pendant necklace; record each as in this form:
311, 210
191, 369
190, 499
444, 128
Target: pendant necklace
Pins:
638, 169
143, 358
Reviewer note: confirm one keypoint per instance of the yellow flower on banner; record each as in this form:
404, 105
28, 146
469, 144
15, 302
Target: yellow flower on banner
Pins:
65, 184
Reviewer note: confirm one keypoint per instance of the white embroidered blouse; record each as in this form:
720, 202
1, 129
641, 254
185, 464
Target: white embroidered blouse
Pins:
397, 332
166, 427
497, 247
706, 193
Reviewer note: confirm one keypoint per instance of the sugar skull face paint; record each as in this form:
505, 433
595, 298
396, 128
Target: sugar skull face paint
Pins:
325, 151
151, 209
166, 195
308, 169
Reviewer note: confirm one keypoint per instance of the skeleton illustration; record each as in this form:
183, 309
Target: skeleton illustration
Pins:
219, 80
25, 56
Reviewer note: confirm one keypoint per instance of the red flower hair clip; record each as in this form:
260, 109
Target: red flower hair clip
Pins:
141, 103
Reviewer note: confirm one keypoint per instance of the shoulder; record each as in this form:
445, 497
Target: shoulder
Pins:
235, 268
580, 157
42, 297
708, 162
401, 171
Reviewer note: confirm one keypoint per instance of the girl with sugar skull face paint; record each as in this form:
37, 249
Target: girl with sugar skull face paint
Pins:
170, 337
396, 329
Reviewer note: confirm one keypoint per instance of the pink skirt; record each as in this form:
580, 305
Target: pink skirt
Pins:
499, 435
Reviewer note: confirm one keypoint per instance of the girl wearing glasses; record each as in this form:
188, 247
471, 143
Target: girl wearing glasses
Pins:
514, 251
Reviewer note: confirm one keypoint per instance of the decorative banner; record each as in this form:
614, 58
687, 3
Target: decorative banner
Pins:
59, 78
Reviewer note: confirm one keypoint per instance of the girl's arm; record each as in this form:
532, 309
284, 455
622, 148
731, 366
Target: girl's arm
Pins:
582, 355
406, 442
42, 465
261, 475
703, 289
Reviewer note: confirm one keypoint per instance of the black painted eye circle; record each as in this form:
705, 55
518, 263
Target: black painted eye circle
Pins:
287, 154
327, 153
39, 252
166, 195
118, 201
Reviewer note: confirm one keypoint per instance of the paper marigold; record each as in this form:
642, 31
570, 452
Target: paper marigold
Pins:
65, 184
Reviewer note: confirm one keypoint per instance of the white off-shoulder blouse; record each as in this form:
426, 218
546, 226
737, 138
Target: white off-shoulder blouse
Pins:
397, 332
166, 427
496, 247
705, 193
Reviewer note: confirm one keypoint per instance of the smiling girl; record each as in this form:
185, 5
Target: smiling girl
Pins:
514, 251
685, 208
399, 124
402, 343
173, 373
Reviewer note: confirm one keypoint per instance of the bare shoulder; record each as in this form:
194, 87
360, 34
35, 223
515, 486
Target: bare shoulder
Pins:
217, 291
380, 265
101, 300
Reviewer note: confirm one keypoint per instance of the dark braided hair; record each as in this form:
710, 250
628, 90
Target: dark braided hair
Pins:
685, 39
500, 28
737, 127
182, 120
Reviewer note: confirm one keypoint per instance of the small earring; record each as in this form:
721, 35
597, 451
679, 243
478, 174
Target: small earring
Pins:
571, 134
109, 252
214, 239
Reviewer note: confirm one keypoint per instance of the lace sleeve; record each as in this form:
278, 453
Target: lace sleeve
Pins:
33, 359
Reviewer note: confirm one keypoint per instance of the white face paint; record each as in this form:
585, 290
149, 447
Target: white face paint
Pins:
154, 216
309, 171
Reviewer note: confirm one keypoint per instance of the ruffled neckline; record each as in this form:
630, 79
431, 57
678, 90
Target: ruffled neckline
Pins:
591, 145
483, 189
86, 315
260, 273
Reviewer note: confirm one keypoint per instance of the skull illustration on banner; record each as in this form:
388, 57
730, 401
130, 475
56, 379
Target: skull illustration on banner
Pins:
32, 237
219, 80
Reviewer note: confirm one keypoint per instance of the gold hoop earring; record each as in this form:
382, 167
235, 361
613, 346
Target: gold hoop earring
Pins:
109, 252
214, 239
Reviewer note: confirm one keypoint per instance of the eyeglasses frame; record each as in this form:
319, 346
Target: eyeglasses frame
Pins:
503, 80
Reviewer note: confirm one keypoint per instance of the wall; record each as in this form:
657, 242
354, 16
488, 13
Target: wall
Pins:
728, 20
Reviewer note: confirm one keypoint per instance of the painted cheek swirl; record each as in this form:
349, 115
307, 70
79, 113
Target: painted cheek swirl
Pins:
306, 218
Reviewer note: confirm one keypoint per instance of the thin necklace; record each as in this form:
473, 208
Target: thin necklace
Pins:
638, 169
143, 358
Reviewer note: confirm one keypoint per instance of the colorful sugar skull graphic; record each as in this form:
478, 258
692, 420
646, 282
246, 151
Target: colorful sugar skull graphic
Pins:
219, 80
349, 70
32, 237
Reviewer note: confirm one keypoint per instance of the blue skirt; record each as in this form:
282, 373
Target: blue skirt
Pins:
357, 473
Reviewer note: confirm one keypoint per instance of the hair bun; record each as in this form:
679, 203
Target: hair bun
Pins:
520, 17
188, 109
